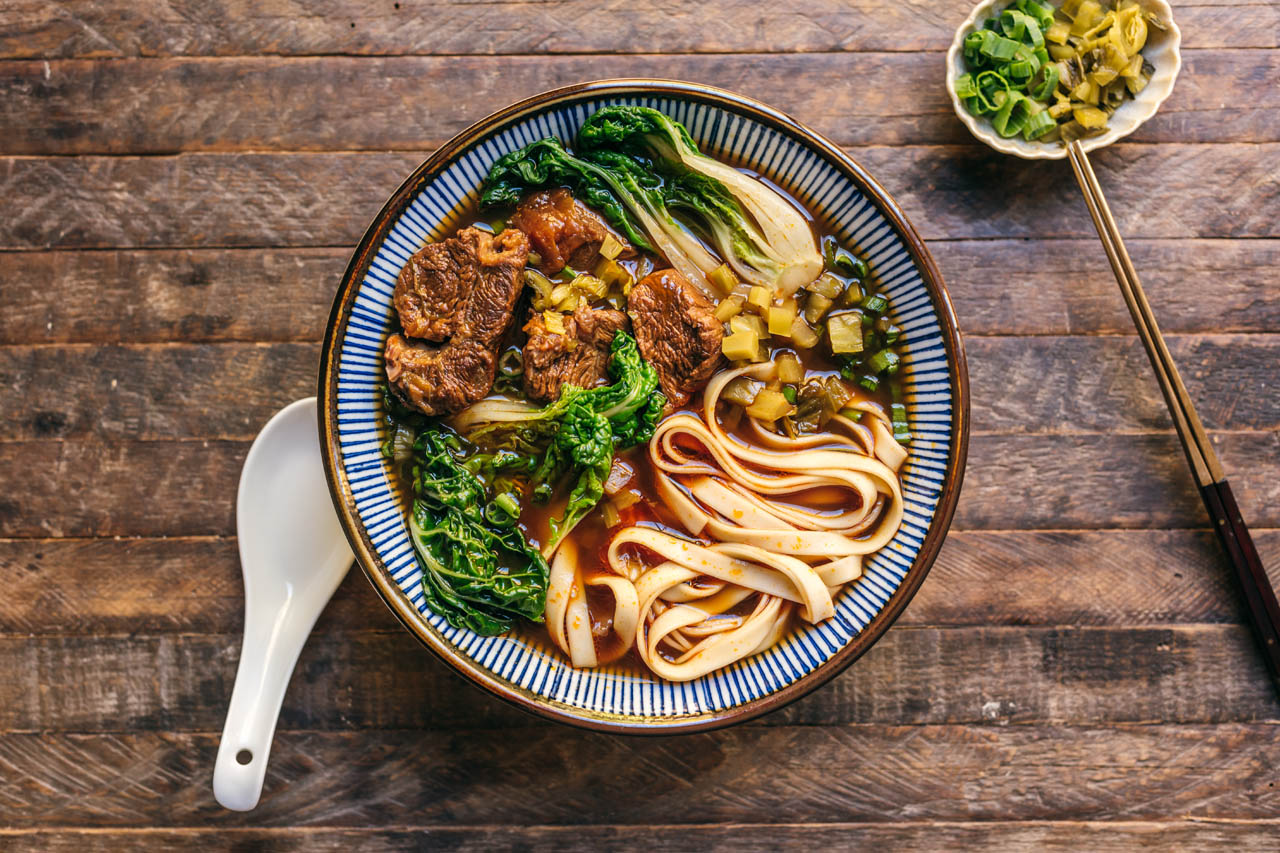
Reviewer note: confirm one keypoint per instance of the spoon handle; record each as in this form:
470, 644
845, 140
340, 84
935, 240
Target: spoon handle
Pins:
274, 635
1259, 596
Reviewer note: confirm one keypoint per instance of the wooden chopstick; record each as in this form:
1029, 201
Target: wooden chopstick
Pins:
1200, 453
1216, 493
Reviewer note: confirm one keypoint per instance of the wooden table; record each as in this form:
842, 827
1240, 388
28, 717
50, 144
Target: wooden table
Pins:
182, 183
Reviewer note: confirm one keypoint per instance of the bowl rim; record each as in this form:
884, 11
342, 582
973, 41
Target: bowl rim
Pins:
1036, 150
403, 609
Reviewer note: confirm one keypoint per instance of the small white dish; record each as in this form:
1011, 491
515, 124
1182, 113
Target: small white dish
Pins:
1161, 51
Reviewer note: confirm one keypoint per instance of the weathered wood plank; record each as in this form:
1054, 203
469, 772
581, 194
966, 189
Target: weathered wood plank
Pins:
171, 105
111, 586
1047, 287
792, 774
1112, 577
196, 200
916, 676
155, 296
88, 488
1086, 384
221, 391
1125, 481
161, 488
1102, 837
951, 192
1066, 287
1058, 385
117, 28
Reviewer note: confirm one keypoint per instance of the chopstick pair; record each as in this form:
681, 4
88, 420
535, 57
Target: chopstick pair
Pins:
1264, 610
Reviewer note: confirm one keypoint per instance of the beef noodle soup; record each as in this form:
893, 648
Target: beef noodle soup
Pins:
642, 400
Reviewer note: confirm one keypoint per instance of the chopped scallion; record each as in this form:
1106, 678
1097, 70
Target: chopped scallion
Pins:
875, 304
884, 361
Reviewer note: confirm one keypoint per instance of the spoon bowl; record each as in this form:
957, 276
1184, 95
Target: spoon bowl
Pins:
293, 554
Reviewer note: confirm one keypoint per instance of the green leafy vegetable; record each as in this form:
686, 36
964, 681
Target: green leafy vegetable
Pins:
577, 435
546, 163
777, 250
639, 168
628, 195
478, 571
403, 425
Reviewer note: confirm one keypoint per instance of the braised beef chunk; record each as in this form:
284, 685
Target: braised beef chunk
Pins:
678, 333
491, 305
578, 357
562, 231
430, 288
467, 278
462, 292
440, 380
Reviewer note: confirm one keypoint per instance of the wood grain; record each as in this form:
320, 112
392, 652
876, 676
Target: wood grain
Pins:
553, 775
264, 103
1050, 287
1054, 385
1104, 384
951, 192
156, 296
1102, 837
222, 391
912, 676
112, 586
183, 182
193, 585
1055, 287
90, 488
118, 28
1127, 481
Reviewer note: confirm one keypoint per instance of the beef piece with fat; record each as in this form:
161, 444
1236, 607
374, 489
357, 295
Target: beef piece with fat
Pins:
460, 293
562, 231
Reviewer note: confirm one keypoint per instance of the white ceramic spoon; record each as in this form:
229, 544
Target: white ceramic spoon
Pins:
293, 554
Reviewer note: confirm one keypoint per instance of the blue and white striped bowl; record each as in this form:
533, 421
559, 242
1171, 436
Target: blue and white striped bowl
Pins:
437, 198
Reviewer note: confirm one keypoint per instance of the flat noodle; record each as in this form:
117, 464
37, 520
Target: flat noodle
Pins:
687, 612
567, 615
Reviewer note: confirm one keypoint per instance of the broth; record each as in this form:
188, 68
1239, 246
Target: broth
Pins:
593, 534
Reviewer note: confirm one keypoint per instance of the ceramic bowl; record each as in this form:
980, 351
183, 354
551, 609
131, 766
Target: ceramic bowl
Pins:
531, 673
1161, 51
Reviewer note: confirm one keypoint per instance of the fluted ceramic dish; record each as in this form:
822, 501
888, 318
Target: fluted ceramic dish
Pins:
1161, 51
436, 199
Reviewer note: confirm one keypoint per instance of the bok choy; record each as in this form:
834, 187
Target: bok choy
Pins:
758, 232
627, 194
645, 174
